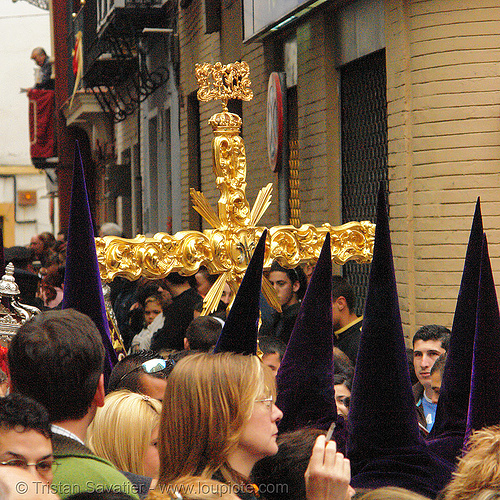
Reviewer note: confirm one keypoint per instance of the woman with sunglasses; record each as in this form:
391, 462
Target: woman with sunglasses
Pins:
143, 372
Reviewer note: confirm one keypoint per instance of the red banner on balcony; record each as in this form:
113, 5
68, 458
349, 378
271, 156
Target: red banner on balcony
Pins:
41, 112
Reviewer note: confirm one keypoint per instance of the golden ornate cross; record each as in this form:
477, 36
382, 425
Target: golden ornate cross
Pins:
227, 248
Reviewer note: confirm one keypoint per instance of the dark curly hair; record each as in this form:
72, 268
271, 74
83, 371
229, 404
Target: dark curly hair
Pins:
17, 410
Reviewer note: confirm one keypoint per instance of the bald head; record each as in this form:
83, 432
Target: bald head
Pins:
39, 55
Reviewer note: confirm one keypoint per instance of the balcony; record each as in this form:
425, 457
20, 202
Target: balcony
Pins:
135, 14
115, 57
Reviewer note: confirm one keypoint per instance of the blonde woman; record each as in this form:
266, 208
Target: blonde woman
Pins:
125, 432
479, 468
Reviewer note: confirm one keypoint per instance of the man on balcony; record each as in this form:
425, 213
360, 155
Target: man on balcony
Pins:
41, 58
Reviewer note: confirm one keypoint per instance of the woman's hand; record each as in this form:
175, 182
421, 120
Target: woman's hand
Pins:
328, 474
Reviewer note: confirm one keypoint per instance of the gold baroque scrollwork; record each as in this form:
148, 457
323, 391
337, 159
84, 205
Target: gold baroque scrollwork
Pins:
221, 258
195, 249
217, 81
285, 247
227, 248
352, 241
291, 246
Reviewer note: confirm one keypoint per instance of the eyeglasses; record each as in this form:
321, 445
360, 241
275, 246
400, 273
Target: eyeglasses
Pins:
151, 366
44, 467
268, 402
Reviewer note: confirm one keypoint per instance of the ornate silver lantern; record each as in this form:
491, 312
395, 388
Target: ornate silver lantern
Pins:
13, 314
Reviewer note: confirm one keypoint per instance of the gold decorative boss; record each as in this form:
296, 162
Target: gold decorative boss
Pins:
226, 249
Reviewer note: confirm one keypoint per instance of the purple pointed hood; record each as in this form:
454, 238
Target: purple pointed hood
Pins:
383, 442
82, 281
305, 377
447, 434
484, 403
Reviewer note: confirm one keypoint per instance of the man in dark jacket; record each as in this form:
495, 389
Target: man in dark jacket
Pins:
178, 314
290, 286
57, 359
346, 324
42, 59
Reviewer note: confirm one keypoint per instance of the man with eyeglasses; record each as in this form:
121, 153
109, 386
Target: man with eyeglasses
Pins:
57, 358
19, 484
25, 437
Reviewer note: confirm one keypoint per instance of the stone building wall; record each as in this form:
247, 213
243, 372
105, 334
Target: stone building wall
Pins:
443, 66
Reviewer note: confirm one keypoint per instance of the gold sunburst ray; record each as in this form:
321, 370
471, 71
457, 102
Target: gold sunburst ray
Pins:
212, 298
261, 204
203, 207
270, 294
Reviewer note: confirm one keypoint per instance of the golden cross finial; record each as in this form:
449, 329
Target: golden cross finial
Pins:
227, 248
216, 81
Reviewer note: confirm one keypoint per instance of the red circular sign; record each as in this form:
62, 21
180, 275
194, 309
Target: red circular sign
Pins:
274, 121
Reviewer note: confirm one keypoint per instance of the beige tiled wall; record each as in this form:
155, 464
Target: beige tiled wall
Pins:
443, 68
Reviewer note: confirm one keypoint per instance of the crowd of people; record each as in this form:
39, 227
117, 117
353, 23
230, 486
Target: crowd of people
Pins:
39, 269
218, 407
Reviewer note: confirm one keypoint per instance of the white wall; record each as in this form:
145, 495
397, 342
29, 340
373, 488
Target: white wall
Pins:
22, 27
31, 220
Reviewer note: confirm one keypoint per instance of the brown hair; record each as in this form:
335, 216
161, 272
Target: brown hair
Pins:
193, 488
283, 474
57, 358
208, 399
